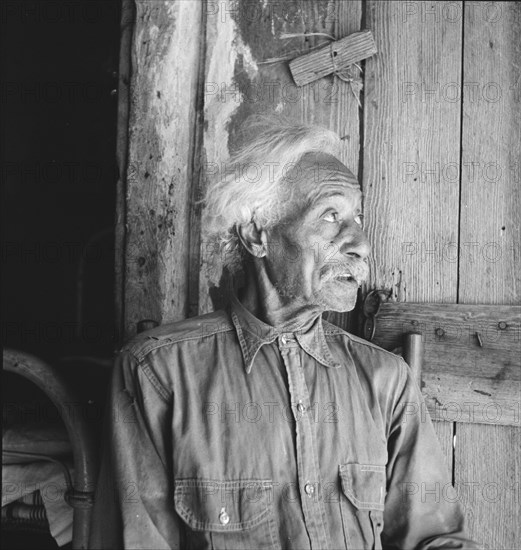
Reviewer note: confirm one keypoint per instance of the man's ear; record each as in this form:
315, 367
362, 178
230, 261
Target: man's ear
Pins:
253, 238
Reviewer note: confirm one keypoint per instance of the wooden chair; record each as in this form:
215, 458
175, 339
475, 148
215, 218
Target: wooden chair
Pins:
80, 492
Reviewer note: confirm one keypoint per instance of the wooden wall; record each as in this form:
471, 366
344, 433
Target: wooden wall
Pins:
435, 144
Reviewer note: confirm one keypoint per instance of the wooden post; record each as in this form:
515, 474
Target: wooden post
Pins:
163, 115
413, 354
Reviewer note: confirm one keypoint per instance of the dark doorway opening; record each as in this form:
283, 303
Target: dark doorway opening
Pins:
58, 144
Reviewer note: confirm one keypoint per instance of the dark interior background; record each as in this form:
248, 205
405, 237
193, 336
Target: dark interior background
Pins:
60, 60
58, 137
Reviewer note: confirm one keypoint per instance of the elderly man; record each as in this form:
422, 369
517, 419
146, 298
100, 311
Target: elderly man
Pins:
263, 426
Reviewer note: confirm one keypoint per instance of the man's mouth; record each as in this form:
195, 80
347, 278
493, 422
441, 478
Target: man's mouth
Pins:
348, 274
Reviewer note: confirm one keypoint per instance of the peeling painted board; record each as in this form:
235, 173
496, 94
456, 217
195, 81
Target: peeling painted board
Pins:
238, 83
197, 177
462, 381
488, 468
161, 127
491, 158
409, 135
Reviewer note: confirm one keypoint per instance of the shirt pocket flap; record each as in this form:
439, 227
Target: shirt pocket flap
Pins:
224, 506
364, 485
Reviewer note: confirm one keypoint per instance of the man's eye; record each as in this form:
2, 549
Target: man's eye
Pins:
331, 217
359, 219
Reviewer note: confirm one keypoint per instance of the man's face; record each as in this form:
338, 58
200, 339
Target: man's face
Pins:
316, 254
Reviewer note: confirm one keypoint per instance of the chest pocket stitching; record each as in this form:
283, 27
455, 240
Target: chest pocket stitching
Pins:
198, 502
364, 485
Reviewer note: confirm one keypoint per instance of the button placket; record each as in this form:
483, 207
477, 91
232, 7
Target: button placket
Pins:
307, 460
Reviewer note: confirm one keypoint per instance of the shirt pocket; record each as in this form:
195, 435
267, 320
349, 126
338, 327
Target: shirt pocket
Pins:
362, 504
226, 514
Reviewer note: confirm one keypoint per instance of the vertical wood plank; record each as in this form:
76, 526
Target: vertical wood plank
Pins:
410, 134
487, 472
162, 119
126, 29
491, 156
241, 37
445, 433
488, 456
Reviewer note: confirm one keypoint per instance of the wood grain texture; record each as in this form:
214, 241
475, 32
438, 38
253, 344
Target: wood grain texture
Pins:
409, 134
489, 262
241, 37
488, 468
445, 433
489, 268
336, 56
461, 380
159, 174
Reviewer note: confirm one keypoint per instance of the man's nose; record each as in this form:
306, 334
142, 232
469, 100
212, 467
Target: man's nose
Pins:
355, 243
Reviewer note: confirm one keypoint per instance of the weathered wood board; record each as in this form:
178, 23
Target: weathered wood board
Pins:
159, 174
445, 433
338, 55
487, 471
490, 234
489, 271
126, 30
408, 136
462, 381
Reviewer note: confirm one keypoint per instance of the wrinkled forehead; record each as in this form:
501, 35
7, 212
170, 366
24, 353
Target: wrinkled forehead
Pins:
316, 170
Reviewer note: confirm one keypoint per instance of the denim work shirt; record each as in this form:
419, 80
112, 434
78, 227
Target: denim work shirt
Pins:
226, 433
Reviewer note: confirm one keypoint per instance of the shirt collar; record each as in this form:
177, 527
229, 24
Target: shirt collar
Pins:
253, 333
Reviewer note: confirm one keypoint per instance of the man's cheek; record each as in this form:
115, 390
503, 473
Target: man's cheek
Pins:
311, 275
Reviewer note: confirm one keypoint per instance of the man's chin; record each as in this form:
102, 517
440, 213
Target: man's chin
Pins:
341, 301
342, 308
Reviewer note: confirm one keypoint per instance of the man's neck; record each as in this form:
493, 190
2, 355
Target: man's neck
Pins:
260, 297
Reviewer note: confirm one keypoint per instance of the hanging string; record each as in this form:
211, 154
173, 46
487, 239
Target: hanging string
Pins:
346, 74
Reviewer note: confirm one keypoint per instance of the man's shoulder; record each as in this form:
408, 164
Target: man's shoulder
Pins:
368, 357
332, 331
193, 328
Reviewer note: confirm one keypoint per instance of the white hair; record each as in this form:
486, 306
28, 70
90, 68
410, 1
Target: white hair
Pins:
250, 187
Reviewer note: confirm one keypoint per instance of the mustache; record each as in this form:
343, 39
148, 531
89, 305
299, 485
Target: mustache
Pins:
357, 268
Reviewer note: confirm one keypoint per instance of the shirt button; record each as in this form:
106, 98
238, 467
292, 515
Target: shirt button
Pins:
224, 518
309, 489
300, 407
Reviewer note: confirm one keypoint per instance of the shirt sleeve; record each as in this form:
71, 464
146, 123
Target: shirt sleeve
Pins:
134, 505
421, 508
